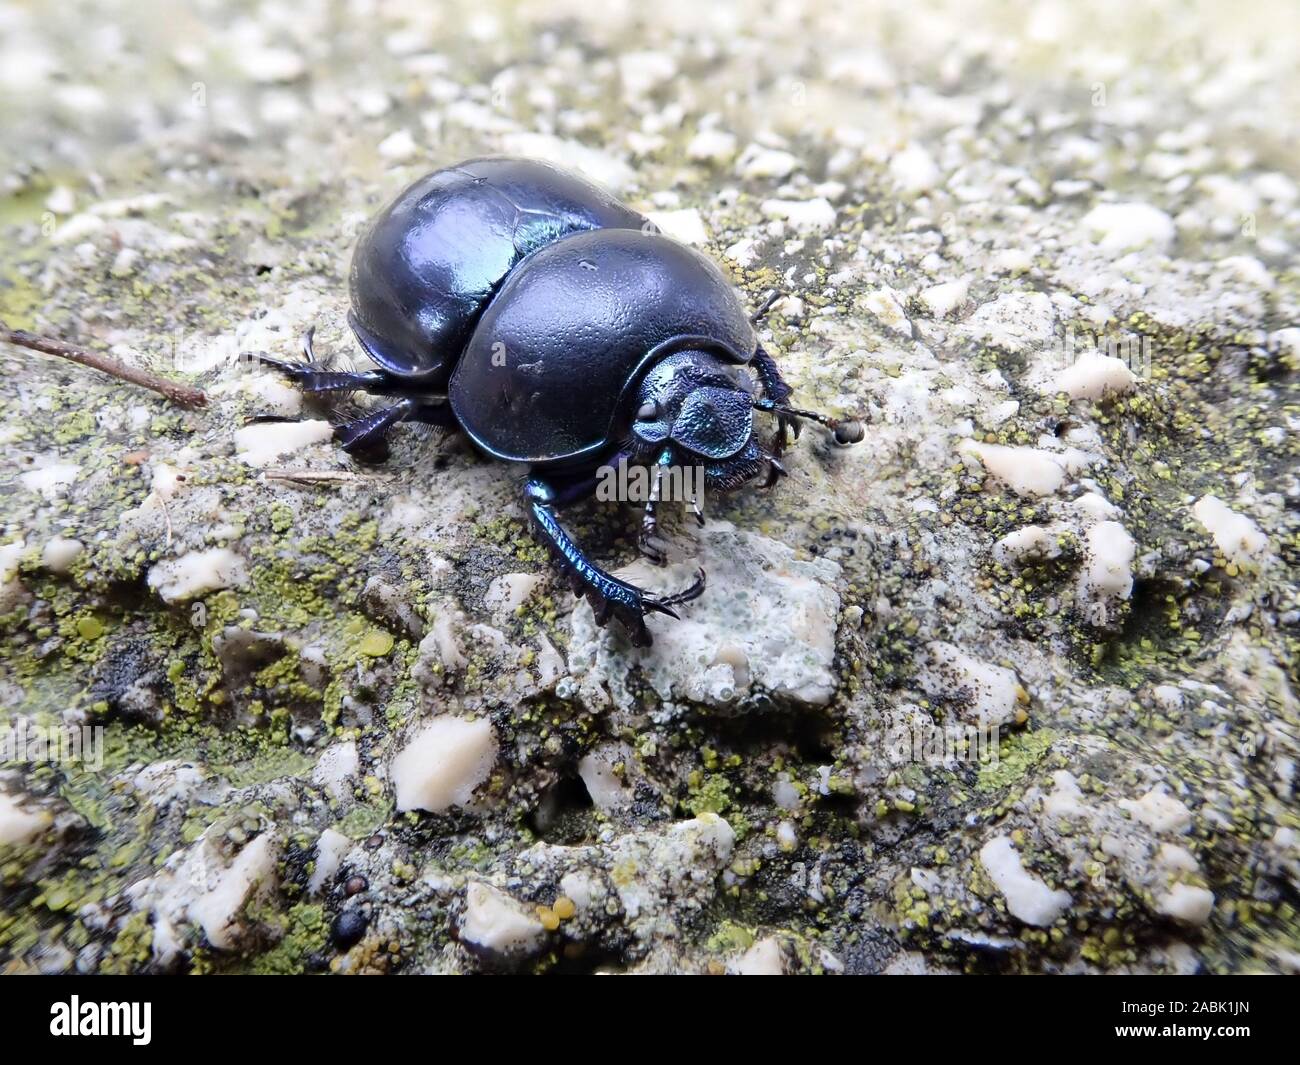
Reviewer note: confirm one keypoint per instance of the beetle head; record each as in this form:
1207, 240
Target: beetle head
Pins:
695, 403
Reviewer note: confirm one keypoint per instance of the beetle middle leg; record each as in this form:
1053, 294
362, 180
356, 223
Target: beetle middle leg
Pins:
310, 375
608, 596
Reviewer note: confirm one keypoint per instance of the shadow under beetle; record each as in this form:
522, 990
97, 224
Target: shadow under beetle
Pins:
521, 305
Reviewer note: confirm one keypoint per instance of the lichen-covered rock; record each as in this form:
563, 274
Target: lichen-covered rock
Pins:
1008, 687
766, 625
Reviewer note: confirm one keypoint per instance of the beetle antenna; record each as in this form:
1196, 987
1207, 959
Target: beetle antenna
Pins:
766, 306
847, 431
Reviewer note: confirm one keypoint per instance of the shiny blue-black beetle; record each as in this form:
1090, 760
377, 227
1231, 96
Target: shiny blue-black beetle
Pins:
554, 326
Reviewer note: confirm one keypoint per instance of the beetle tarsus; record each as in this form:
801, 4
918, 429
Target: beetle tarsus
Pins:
310, 378
609, 597
649, 545
775, 471
693, 591
366, 436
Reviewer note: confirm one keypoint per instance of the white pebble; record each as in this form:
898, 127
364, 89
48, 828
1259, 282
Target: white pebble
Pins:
914, 170
219, 912
330, 849
1026, 471
1108, 573
1186, 903
1234, 534
711, 146
59, 553
335, 769
19, 825
261, 443
806, 216
197, 572
1028, 898
398, 147
1092, 375
495, 922
443, 763
992, 695
685, 225
759, 162
1124, 226
942, 300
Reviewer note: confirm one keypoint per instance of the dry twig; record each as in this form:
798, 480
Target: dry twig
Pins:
178, 393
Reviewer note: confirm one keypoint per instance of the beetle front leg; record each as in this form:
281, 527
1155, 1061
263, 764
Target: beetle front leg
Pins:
608, 596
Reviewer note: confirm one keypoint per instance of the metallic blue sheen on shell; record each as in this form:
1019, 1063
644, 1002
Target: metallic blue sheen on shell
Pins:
426, 266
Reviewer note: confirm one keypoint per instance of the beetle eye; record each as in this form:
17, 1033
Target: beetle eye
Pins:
648, 412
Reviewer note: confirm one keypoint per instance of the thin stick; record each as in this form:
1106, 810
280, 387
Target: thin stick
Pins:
178, 393
310, 476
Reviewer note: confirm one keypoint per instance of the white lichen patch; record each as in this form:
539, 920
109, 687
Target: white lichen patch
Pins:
336, 770
1017, 321
642, 870
50, 480
1160, 811
1126, 833
887, 306
11, 587
206, 889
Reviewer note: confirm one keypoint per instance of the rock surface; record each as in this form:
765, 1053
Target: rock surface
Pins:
1009, 686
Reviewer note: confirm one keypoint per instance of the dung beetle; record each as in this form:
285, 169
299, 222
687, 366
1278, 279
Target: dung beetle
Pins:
519, 304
